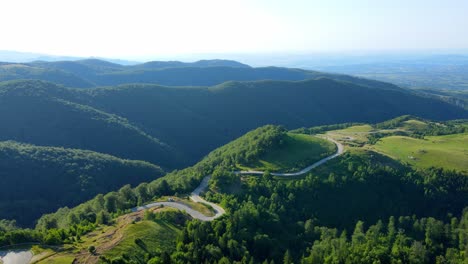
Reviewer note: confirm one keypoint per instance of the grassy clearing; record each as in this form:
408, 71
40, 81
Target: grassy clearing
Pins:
298, 151
117, 239
414, 125
450, 151
361, 128
354, 136
155, 236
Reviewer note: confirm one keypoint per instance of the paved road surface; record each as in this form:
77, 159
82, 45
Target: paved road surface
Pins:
194, 196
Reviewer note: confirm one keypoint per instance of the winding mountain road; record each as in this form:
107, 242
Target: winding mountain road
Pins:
219, 211
194, 196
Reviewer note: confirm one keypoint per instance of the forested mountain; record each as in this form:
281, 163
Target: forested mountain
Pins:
45, 114
38, 180
94, 72
459, 98
157, 124
200, 119
23, 71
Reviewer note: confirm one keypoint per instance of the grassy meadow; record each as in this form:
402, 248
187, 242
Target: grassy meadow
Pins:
450, 151
297, 151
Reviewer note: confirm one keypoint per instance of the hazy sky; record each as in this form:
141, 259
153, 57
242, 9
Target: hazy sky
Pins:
139, 28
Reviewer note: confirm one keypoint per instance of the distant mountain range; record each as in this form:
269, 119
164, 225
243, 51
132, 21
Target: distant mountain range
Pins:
23, 57
434, 70
94, 73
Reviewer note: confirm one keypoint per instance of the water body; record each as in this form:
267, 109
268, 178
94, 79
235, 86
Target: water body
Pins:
15, 256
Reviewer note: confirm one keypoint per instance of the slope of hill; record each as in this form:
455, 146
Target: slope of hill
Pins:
459, 98
198, 76
199, 119
381, 203
449, 151
293, 153
38, 180
45, 114
157, 124
60, 76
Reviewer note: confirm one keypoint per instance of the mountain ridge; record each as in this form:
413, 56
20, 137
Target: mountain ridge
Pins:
195, 120
90, 73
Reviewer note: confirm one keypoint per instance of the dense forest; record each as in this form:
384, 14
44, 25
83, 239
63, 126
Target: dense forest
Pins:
242, 106
173, 127
359, 208
39, 180
44, 114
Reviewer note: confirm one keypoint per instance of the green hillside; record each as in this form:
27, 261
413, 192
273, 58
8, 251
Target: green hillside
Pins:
450, 151
358, 200
173, 127
216, 115
132, 237
45, 114
155, 237
196, 76
294, 152
22, 71
455, 97
39, 180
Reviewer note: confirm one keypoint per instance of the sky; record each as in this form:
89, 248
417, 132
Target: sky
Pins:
156, 28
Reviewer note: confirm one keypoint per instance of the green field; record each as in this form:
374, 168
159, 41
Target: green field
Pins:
414, 125
357, 129
297, 152
352, 136
450, 151
155, 236
114, 241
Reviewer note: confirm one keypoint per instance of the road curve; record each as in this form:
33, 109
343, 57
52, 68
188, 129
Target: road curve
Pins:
219, 211
194, 196
339, 151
